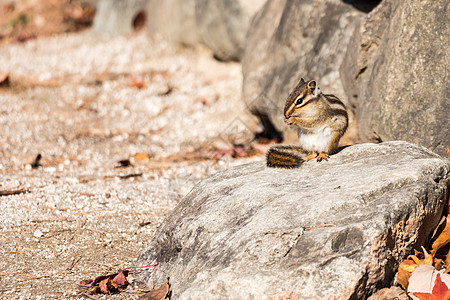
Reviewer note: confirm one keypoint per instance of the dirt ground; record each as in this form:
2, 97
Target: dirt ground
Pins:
125, 127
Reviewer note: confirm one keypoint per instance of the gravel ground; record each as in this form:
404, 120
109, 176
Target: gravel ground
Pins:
85, 103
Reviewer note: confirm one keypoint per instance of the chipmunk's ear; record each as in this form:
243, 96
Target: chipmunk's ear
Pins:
312, 84
302, 81
313, 88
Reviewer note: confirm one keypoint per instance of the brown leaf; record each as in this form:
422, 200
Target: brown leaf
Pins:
163, 292
104, 285
448, 152
108, 286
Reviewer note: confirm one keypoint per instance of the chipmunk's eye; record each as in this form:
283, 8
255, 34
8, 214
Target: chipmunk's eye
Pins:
299, 101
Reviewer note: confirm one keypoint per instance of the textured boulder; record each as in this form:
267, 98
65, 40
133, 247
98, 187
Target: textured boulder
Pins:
292, 39
331, 229
115, 17
396, 73
219, 24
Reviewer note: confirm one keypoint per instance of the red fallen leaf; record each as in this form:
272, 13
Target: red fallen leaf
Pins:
440, 291
121, 278
25, 36
137, 83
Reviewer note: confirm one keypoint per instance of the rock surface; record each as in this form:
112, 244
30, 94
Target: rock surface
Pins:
219, 24
292, 39
115, 17
396, 73
252, 232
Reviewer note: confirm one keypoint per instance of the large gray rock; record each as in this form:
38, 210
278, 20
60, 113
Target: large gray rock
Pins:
115, 17
252, 232
396, 73
219, 24
292, 39
173, 20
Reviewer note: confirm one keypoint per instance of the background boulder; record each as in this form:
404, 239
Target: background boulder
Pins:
396, 73
115, 17
292, 39
332, 229
221, 25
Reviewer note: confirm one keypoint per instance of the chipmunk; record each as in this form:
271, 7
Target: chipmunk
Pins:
322, 121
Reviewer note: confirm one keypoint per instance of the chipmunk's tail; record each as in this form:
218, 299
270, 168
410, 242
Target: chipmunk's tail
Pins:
287, 156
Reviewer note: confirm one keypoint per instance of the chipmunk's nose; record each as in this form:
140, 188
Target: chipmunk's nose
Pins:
288, 120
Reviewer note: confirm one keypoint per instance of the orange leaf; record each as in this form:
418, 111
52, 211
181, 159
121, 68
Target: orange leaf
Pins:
105, 285
440, 291
141, 156
442, 240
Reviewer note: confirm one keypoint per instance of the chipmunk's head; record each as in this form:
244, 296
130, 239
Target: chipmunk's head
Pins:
302, 103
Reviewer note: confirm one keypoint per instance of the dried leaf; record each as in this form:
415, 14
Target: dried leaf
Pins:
141, 156
405, 270
406, 267
163, 292
440, 291
442, 240
120, 278
103, 285
112, 283
108, 286
137, 83
448, 152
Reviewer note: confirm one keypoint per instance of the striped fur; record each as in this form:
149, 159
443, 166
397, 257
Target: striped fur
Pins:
288, 156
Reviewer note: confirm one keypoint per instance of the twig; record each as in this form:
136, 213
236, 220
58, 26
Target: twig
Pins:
318, 226
53, 250
13, 192
130, 176
74, 262
40, 277
55, 233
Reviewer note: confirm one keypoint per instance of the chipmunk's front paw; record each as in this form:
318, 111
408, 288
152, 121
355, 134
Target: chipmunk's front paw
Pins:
322, 156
